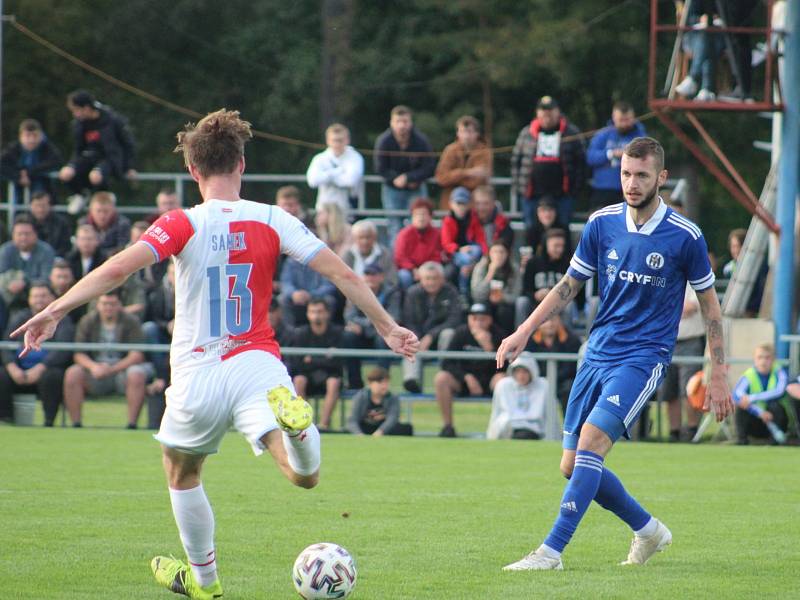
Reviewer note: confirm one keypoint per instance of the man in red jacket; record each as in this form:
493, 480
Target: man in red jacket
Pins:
417, 243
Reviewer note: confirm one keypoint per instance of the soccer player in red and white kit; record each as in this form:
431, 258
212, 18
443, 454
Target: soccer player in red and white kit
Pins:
225, 361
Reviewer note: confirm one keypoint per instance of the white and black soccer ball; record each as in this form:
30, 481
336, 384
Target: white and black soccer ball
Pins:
324, 570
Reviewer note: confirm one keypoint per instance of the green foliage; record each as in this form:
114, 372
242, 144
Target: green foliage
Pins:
444, 59
85, 510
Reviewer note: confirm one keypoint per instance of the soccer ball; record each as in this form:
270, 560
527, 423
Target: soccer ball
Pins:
324, 570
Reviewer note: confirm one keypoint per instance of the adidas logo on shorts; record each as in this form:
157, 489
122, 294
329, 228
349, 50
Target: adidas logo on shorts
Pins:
570, 506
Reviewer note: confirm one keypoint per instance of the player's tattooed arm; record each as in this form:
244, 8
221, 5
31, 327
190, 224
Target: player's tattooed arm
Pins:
709, 306
718, 394
559, 297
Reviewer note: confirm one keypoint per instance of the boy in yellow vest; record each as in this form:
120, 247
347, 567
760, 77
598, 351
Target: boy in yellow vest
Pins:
760, 396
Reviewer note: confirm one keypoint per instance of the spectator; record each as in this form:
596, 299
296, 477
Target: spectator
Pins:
87, 255
605, 152
542, 273
316, 375
494, 225
735, 243
459, 232
299, 284
106, 372
546, 218
376, 411
404, 175
705, 48
167, 199
741, 13
39, 371
283, 333
159, 319
468, 377
28, 161
521, 406
61, 279
23, 259
432, 310
289, 198
50, 226
760, 397
417, 243
548, 158
691, 342
332, 227
104, 148
553, 336
467, 162
365, 250
496, 282
113, 228
338, 172
359, 332
151, 276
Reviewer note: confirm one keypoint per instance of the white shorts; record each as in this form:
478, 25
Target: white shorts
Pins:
203, 403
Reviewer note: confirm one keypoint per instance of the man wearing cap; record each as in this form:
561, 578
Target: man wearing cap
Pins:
359, 332
104, 147
548, 158
467, 162
468, 377
605, 152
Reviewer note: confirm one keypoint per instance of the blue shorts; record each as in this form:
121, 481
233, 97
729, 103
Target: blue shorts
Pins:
610, 398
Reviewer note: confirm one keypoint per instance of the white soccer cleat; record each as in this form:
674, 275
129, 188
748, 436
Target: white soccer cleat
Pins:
536, 561
642, 548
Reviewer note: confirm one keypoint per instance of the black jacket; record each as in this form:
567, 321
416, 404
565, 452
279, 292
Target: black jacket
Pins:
74, 260
65, 332
105, 139
428, 316
46, 158
416, 168
56, 231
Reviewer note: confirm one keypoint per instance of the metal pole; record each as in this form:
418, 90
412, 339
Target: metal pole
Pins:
783, 300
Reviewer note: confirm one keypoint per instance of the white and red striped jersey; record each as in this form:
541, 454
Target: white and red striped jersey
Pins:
225, 259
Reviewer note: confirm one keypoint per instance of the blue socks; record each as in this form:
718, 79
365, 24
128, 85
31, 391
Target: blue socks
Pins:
611, 495
578, 495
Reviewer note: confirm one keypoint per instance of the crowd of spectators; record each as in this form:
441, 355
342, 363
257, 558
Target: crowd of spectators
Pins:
460, 283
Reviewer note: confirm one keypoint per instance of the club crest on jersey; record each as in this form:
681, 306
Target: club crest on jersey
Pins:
228, 241
611, 272
654, 260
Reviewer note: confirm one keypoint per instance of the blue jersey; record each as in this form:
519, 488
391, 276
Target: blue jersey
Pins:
642, 274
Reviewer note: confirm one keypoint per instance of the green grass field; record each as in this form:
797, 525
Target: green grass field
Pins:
83, 511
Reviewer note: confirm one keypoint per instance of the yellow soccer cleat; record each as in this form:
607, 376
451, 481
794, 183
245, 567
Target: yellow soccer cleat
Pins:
292, 412
176, 576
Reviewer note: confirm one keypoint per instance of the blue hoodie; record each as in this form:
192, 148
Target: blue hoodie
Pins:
605, 171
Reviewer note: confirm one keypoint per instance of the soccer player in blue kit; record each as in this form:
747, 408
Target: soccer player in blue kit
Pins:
643, 253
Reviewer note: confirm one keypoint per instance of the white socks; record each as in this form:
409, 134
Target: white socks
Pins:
195, 521
549, 552
649, 529
303, 450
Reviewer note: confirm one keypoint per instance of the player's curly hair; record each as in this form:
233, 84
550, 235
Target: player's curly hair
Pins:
216, 143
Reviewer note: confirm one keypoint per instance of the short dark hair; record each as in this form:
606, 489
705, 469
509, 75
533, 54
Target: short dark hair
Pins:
469, 121
116, 292
24, 219
622, 106
402, 110
377, 374
60, 263
642, 147
485, 189
30, 125
81, 98
43, 284
288, 191
40, 195
319, 300
554, 232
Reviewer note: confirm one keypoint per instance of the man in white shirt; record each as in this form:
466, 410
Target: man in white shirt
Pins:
338, 172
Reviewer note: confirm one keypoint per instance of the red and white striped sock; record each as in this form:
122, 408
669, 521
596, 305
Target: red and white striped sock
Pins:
195, 521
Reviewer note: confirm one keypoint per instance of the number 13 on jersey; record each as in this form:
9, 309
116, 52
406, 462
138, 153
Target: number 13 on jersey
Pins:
238, 300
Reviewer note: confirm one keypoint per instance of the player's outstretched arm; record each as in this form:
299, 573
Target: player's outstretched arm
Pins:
399, 339
551, 305
718, 393
109, 275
